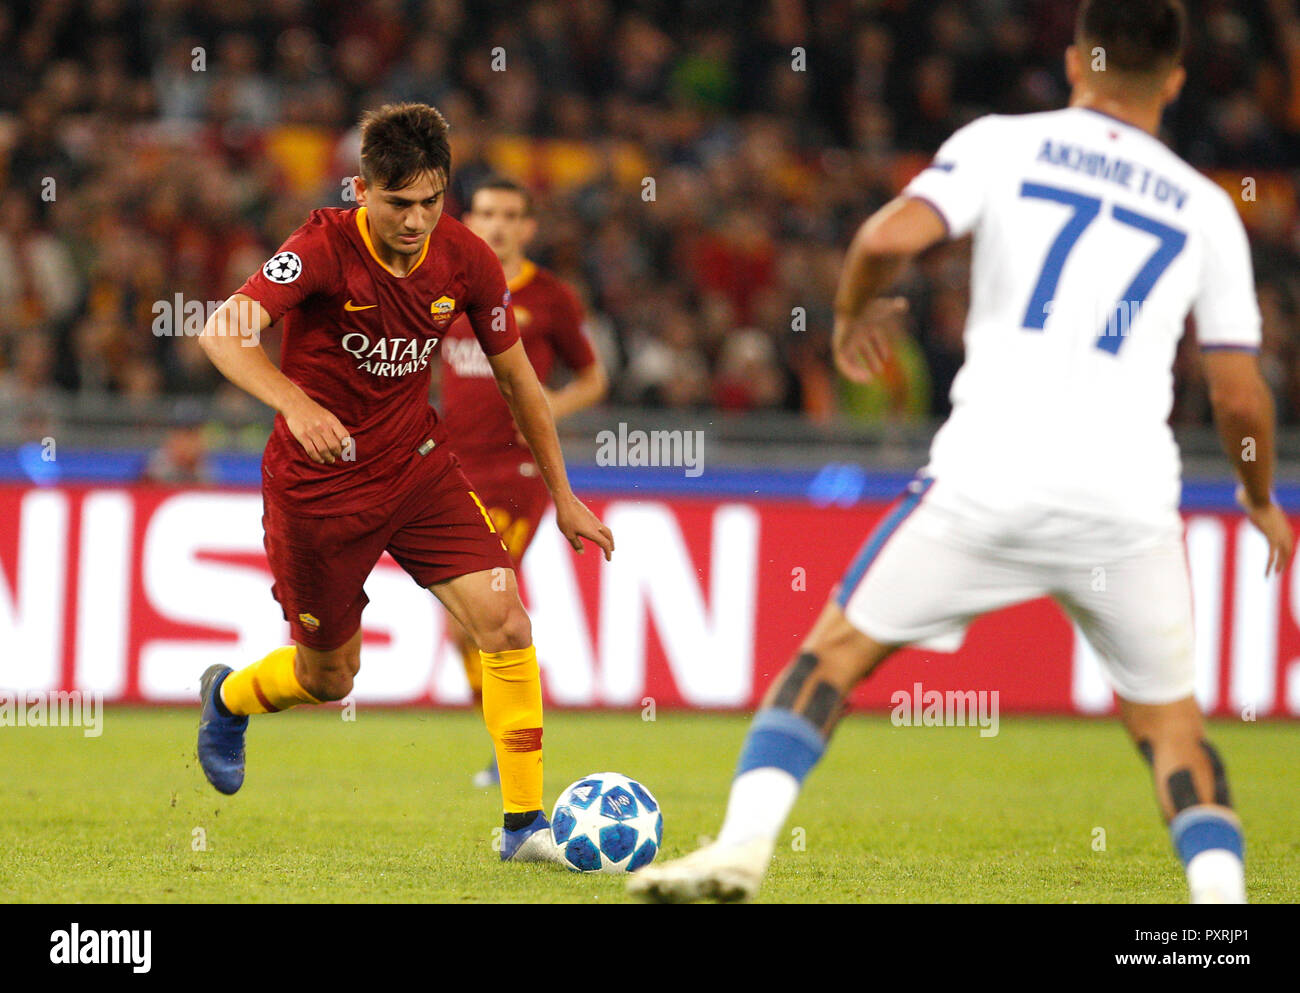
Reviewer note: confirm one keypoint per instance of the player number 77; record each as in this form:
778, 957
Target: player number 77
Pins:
1085, 211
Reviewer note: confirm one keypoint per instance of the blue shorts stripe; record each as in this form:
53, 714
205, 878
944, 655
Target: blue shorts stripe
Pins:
876, 540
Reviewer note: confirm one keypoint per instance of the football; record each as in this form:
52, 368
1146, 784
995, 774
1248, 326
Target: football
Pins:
606, 822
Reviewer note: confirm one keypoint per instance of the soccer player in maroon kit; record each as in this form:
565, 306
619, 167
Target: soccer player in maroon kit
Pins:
358, 462
492, 452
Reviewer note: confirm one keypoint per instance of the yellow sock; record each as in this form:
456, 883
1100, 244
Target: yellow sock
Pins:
265, 687
470, 656
512, 710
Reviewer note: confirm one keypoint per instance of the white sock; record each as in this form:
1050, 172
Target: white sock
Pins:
1216, 875
760, 802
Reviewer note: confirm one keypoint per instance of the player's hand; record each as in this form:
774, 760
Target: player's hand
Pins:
861, 344
318, 431
576, 522
1271, 522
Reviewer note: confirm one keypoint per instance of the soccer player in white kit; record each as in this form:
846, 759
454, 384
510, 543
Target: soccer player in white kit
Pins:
1056, 473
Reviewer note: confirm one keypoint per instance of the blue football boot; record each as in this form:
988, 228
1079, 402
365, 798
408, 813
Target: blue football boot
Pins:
221, 738
533, 843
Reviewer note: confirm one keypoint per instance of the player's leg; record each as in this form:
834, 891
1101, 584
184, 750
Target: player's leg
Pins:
794, 724
515, 520
448, 544
910, 582
1139, 621
787, 738
293, 675
469, 657
469, 651
323, 607
472, 661
1191, 786
790, 734
486, 603
287, 677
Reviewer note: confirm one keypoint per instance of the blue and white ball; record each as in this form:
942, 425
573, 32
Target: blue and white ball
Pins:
606, 822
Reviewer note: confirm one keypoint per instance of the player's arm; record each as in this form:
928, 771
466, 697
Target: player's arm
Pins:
1228, 330
232, 340
1243, 413
589, 384
518, 384
587, 388
883, 245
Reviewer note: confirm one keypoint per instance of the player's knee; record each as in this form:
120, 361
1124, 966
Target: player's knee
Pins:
508, 630
329, 676
327, 685
517, 630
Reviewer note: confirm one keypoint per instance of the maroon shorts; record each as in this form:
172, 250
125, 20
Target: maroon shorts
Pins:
439, 531
515, 496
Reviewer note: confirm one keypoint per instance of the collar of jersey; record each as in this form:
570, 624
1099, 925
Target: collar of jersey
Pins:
526, 273
365, 236
1117, 120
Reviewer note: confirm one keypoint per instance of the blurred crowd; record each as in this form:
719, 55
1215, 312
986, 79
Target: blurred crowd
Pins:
699, 167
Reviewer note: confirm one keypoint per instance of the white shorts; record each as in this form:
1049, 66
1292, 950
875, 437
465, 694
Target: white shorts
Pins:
930, 568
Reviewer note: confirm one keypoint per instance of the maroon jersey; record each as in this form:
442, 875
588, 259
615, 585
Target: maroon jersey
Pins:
550, 325
358, 340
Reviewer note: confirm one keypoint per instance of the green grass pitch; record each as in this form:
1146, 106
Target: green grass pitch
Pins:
381, 809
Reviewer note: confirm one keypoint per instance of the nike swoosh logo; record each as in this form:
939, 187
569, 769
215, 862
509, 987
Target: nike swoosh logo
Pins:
351, 306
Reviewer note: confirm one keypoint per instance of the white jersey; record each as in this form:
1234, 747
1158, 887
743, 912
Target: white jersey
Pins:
1092, 243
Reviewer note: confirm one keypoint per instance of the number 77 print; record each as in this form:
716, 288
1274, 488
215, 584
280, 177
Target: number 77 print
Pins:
1085, 211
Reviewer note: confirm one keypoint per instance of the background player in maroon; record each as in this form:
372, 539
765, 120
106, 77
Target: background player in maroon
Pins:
493, 453
358, 462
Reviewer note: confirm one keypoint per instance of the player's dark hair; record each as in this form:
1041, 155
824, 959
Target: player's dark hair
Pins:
1138, 36
401, 142
510, 186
